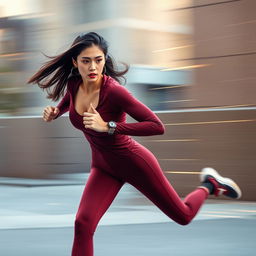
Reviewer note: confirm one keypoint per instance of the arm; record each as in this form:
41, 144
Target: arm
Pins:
63, 106
148, 122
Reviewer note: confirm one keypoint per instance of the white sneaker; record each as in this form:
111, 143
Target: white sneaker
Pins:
222, 185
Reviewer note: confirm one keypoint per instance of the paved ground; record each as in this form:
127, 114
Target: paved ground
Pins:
37, 219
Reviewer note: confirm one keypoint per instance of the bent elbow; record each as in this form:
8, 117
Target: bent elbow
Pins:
161, 129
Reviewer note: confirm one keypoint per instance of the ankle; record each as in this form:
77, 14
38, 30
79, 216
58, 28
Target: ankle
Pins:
209, 186
205, 189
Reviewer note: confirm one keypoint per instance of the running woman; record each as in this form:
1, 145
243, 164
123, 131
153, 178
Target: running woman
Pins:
97, 105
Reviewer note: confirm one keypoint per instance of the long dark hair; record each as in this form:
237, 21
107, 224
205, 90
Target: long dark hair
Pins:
60, 68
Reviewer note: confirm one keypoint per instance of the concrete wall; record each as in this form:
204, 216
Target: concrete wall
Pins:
224, 39
224, 140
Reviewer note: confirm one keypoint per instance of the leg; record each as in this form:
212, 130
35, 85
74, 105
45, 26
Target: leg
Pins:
100, 190
147, 176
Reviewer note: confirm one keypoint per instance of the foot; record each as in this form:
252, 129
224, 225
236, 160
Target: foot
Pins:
221, 184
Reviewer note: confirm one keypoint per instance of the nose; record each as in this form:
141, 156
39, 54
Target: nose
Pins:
92, 66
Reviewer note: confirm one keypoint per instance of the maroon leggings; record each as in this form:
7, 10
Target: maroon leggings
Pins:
142, 170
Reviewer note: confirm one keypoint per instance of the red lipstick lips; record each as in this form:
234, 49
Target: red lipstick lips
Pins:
92, 75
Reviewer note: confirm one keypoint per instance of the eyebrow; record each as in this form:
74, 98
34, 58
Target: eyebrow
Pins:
90, 58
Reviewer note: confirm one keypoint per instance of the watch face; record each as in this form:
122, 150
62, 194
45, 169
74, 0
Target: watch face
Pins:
112, 124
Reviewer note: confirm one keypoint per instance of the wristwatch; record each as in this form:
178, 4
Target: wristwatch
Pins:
111, 126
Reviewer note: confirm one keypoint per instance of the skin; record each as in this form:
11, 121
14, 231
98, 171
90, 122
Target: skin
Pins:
90, 60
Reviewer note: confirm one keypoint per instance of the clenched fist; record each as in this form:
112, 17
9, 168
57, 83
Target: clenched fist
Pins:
93, 120
50, 113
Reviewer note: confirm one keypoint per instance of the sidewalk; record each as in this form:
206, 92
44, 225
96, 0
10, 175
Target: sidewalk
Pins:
28, 203
37, 218
56, 180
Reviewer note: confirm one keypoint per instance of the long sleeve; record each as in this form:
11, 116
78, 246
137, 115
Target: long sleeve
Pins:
148, 122
63, 106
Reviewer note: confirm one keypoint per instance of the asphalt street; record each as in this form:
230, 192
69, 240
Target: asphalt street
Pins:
37, 218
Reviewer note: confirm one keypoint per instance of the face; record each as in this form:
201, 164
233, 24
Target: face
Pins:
90, 63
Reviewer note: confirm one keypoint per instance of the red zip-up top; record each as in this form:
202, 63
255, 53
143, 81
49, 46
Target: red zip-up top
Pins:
114, 102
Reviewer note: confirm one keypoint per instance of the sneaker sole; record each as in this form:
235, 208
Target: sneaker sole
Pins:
225, 182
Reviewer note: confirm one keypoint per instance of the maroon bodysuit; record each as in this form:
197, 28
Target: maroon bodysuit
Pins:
118, 158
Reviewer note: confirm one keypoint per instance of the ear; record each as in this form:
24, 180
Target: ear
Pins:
74, 62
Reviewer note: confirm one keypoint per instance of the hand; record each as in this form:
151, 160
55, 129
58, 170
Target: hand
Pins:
93, 120
50, 113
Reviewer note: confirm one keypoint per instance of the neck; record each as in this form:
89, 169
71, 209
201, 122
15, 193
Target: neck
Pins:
90, 87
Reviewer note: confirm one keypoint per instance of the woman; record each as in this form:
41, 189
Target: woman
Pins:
97, 106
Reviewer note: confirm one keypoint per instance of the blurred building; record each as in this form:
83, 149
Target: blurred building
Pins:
224, 46
140, 33
222, 118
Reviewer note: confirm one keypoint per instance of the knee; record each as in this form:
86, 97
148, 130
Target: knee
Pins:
83, 226
184, 221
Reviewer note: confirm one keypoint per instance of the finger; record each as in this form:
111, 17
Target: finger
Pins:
88, 122
88, 114
93, 108
88, 118
47, 112
46, 115
48, 108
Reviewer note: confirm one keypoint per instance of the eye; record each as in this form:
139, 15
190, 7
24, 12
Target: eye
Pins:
85, 61
99, 60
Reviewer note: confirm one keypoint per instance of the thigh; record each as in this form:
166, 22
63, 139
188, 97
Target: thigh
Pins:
99, 192
146, 175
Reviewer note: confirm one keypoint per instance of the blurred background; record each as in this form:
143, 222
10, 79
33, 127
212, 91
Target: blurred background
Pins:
191, 61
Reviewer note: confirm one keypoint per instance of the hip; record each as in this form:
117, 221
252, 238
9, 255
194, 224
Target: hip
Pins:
133, 156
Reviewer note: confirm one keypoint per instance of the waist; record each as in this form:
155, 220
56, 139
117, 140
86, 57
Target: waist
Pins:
110, 142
